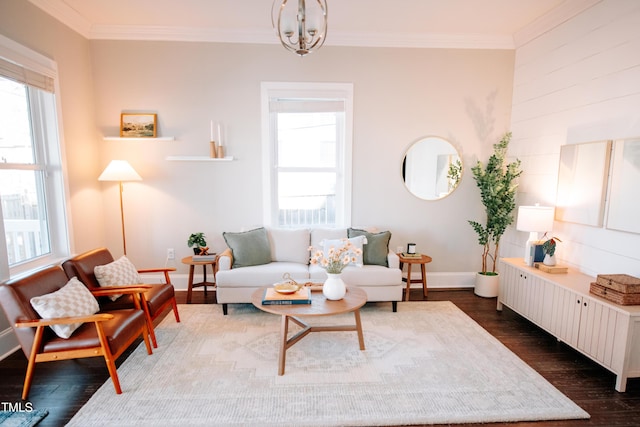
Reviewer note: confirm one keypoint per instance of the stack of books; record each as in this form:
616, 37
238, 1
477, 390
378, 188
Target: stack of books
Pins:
408, 255
208, 257
272, 297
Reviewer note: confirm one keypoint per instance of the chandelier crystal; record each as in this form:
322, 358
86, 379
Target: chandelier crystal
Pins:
300, 30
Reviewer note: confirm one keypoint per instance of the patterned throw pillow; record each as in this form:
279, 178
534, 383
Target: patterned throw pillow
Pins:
117, 273
73, 299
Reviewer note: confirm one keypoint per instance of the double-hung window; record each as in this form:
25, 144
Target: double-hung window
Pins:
307, 130
33, 230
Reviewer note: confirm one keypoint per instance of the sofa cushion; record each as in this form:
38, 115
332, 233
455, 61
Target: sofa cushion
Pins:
337, 244
319, 235
117, 273
367, 275
376, 248
249, 247
73, 299
289, 245
261, 275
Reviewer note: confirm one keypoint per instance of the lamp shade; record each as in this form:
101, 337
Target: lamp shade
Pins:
119, 170
535, 218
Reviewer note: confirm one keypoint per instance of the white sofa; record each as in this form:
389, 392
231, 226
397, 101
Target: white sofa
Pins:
289, 253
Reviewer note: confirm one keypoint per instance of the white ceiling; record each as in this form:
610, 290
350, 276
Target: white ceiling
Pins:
502, 24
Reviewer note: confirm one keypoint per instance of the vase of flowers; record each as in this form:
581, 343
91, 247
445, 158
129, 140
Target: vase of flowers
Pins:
334, 261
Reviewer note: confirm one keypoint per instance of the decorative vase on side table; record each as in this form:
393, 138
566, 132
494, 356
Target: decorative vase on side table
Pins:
334, 288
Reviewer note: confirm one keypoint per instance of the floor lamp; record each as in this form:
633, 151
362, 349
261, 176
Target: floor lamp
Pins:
534, 219
120, 170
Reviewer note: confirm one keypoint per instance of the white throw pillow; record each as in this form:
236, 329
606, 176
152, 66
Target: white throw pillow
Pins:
73, 299
358, 242
120, 272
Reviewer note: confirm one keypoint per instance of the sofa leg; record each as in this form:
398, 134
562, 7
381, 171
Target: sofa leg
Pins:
224, 309
394, 306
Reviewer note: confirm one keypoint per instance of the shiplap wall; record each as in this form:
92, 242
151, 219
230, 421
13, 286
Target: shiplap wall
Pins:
579, 82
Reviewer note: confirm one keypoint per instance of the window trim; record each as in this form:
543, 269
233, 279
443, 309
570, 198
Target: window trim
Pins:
56, 184
270, 90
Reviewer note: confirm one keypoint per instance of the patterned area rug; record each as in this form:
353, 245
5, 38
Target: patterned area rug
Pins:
429, 363
22, 418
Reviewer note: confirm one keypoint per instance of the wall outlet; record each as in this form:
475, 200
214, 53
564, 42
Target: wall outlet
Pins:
171, 253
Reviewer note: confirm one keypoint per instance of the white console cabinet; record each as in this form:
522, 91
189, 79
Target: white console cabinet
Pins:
561, 304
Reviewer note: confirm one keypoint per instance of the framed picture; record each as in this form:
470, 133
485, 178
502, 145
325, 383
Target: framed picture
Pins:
138, 125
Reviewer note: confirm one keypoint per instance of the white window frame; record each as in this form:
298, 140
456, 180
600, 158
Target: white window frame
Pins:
49, 154
270, 90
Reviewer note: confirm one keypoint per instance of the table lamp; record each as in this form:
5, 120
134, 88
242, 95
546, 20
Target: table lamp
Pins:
120, 170
534, 219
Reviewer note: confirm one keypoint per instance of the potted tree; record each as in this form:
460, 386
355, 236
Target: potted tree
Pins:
197, 240
496, 181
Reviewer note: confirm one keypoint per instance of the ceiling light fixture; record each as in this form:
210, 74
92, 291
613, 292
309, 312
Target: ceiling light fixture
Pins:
301, 31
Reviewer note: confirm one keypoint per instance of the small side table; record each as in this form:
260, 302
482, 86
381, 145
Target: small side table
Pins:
192, 265
422, 260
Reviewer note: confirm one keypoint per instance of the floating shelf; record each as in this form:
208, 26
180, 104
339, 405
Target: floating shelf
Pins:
198, 159
119, 138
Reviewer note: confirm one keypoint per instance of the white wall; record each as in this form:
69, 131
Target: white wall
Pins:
400, 95
579, 82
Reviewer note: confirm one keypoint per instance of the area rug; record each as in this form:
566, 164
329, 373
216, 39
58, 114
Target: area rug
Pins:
428, 363
22, 418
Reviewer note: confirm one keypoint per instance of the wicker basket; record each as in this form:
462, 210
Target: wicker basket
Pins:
619, 282
618, 297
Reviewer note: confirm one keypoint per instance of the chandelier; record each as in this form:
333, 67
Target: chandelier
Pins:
303, 30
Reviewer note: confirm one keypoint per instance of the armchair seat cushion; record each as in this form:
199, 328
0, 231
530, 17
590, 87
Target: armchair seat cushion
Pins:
156, 297
117, 330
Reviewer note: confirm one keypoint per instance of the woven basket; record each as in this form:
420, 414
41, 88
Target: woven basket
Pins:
615, 296
619, 282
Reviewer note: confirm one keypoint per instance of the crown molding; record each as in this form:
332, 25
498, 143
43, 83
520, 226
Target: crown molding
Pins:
68, 16
552, 19
165, 33
65, 14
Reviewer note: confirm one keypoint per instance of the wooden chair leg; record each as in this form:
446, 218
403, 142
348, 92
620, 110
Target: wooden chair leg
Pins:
175, 309
108, 358
37, 341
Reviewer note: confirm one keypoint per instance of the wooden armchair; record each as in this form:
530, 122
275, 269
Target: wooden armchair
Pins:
157, 299
106, 333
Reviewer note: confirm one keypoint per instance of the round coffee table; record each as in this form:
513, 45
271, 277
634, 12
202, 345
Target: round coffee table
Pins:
320, 306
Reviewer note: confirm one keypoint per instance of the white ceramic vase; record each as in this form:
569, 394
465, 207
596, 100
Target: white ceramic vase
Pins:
334, 288
549, 260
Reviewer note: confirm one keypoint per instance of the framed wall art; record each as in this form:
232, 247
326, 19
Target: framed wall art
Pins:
138, 125
582, 182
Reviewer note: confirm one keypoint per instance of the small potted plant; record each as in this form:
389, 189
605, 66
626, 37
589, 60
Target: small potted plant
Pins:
549, 249
200, 243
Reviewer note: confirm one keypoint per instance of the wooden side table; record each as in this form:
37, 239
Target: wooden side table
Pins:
192, 265
422, 260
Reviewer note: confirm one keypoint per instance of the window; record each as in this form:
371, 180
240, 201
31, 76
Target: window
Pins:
33, 230
307, 154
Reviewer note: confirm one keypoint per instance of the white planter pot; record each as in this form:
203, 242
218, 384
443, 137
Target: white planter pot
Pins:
487, 286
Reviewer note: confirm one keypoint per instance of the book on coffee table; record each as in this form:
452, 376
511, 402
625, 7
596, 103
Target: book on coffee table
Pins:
272, 297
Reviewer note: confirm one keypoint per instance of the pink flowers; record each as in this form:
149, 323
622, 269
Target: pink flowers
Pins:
337, 257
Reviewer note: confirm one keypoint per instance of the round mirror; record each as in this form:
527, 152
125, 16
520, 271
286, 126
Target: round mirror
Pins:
431, 168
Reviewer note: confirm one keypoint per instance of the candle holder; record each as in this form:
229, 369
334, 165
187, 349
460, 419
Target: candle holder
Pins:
213, 149
220, 152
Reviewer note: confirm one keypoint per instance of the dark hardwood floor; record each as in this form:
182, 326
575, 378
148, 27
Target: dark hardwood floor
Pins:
63, 387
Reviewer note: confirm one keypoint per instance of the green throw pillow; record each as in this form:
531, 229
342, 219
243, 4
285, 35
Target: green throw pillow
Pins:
249, 247
376, 249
